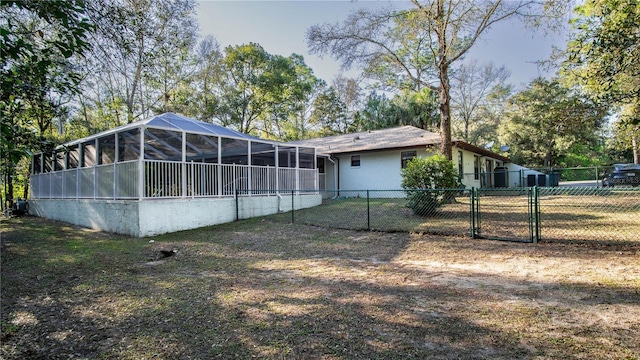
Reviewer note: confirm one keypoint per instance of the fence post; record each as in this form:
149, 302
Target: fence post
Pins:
536, 207
472, 213
293, 209
368, 213
237, 207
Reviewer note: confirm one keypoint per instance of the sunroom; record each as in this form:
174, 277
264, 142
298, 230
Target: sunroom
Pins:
170, 173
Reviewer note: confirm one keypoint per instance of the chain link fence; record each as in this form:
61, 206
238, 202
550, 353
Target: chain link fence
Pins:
529, 214
589, 214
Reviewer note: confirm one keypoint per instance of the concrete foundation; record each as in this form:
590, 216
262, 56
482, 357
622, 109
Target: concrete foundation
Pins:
158, 216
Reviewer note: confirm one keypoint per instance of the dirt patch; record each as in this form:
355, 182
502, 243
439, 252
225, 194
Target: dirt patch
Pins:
259, 289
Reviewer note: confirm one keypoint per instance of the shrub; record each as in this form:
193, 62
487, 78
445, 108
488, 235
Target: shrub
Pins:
425, 181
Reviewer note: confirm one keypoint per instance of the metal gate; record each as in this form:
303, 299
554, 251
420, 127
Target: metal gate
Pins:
505, 214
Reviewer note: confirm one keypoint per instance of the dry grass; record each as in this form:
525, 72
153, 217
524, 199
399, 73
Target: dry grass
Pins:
261, 289
566, 214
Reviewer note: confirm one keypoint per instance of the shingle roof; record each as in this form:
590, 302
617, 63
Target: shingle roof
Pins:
399, 137
385, 139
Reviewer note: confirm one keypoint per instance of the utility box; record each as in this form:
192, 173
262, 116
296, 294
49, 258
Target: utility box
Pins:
554, 179
500, 177
542, 180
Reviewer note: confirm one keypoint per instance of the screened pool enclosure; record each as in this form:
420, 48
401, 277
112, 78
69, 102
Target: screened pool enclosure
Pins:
170, 156
170, 173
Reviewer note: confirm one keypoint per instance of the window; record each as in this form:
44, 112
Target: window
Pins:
476, 167
460, 165
355, 160
405, 156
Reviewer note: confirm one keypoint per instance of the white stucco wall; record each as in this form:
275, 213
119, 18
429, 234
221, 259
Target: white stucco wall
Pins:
159, 216
106, 215
378, 170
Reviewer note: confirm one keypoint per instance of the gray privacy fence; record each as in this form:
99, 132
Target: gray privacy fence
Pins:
530, 214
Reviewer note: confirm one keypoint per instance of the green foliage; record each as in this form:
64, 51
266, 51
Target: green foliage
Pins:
39, 42
265, 94
419, 109
547, 120
603, 54
425, 181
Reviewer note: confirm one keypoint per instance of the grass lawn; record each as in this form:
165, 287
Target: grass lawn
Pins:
576, 216
263, 289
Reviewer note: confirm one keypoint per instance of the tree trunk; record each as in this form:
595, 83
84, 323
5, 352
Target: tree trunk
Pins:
445, 113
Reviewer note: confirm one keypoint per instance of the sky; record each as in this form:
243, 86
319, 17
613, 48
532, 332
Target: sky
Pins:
280, 28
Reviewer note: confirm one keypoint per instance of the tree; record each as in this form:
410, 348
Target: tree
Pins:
407, 108
546, 120
417, 47
38, 40
425, 182
604, 58
475, 87
141, 56
603, 54
626, 134
265, 94
330, 115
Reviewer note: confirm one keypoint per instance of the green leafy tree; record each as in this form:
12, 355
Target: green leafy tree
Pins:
546, 120
626, 135
39, 41
603, 53
418, 109
604, 58
426, 181
265, 94
330, 115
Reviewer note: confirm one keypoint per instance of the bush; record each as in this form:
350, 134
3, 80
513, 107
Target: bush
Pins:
425, 181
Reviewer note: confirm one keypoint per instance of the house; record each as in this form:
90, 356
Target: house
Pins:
170, 173
373, 160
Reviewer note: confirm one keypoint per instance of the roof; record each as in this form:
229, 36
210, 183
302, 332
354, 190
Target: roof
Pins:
176, 122
386, 139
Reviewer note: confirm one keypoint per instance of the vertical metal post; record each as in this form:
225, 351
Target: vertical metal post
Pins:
478, 222
530, 212
472, 213
293, 209
536, 209
597, 184
368, 212
237, 207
